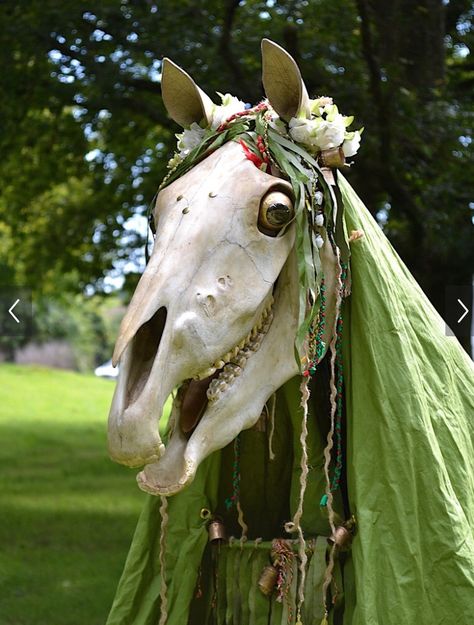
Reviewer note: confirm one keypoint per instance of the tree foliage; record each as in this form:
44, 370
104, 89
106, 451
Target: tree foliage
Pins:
86, 139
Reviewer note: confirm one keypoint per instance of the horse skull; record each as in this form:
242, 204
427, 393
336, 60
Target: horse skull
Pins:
216, 311
214, 316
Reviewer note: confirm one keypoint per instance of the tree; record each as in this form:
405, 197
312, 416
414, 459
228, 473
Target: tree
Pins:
86, 137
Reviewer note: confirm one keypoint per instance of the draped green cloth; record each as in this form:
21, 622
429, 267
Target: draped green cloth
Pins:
410, 480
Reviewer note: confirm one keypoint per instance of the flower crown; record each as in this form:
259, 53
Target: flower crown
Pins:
325, 130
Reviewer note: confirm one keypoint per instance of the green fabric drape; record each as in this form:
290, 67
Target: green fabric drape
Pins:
410, 476
137, 599
410, 407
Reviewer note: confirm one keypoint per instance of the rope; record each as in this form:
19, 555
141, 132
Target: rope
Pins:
163, 585
328, 498
234, 499
242, 522
328, 578
295, 524
271, 416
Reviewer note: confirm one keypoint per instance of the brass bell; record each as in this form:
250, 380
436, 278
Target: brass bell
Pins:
333, 157
268, 579
341, 537
216, 530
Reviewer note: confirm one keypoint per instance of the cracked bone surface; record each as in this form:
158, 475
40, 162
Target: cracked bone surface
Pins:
213, 316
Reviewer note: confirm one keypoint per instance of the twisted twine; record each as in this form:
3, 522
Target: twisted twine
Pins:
295, 524
330, 437
163, 585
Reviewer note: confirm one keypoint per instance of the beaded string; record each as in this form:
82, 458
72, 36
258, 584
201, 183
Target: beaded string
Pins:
168, 176
315, 335
262, 106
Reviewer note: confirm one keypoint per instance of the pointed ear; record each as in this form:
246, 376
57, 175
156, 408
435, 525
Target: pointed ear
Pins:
282, 81
184, 100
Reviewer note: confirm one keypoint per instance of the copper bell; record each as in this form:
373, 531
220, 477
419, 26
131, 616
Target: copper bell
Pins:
341, 537
268, 579
216, 530
333, 157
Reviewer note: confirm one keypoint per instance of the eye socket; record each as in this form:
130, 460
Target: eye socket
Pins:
276, 210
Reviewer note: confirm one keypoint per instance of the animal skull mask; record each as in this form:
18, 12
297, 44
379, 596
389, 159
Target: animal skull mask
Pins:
215, 313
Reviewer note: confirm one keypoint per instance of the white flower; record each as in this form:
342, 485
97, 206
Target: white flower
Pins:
319, 220
220, 113
351, 144
189, 139
302, 130
330, 134
318, 133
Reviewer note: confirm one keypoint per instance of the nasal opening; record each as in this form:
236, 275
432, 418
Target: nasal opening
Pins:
144, 346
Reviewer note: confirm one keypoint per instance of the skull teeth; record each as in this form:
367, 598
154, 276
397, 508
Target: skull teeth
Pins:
233, 362
206, 373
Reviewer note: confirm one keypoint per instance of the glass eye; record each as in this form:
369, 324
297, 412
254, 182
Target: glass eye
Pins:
276, 210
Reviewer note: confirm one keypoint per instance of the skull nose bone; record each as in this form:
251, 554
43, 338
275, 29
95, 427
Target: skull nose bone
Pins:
208, 302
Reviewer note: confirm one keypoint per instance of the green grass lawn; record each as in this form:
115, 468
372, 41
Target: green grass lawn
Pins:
67, 511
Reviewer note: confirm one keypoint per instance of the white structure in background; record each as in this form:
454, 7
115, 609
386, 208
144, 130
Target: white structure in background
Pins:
107, 370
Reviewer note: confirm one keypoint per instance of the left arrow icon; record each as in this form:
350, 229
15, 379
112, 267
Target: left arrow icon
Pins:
10, 310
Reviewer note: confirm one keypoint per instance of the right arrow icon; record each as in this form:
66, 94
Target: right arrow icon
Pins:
466, 310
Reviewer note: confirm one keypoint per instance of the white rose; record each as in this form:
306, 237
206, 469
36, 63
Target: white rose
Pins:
303, 130
330, 134
350, 146
189, 139
230, 105
318, 133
